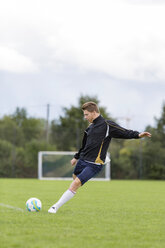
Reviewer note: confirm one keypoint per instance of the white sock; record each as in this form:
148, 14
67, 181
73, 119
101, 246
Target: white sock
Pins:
64, 198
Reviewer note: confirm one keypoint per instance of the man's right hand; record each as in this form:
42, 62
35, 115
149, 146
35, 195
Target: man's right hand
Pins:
73, 161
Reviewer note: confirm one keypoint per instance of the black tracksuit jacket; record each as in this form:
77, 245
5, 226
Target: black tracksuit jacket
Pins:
97, 138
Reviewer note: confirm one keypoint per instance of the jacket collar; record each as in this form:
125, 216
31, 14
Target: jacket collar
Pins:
98, 119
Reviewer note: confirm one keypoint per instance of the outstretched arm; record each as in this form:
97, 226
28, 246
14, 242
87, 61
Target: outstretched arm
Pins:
144, 134
117, 131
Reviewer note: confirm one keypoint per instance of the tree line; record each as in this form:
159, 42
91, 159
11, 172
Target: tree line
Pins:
22, 137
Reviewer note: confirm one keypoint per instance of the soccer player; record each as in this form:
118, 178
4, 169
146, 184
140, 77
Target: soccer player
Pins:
91, 157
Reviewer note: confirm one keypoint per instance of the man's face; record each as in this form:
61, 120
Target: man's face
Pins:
89, 116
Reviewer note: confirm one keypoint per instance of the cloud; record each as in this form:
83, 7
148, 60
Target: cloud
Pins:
148, 2
117, 38
12, 61
122, 40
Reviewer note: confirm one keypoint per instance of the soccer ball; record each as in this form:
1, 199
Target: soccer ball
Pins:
33, 205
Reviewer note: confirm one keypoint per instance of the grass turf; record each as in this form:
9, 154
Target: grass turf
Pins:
116, 214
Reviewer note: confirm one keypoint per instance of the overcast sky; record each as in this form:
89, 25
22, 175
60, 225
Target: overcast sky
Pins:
54, 51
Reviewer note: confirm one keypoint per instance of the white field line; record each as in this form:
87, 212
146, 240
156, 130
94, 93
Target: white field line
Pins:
9, 206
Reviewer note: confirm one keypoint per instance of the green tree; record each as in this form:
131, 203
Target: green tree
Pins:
31, 128
144, 158
6, 162
154, 161
19, 115
21, 137
31, 156
154, 150
160, 127
10, 131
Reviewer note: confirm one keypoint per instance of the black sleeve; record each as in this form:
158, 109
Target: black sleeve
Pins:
77, 155
116, 131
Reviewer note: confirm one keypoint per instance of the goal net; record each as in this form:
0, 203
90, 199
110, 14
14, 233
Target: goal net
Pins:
56, 166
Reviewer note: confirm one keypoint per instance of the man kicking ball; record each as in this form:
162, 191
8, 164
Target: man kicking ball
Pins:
91, 157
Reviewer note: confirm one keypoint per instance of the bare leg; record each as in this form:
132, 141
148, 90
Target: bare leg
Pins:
75, 184
74, 176
66, 196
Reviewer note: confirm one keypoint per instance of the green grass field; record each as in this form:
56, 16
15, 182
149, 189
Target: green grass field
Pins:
115, 214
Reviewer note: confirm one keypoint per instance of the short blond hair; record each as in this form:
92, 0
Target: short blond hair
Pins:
91, 107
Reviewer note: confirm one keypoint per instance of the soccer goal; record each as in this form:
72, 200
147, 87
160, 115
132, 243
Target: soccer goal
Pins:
53, 165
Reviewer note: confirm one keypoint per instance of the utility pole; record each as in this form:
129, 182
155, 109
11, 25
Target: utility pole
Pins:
47, 122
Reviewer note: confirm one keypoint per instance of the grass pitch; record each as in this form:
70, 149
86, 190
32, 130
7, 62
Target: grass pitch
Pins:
115, 214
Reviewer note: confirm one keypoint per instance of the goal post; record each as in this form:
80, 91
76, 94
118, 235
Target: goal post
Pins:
55, 165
